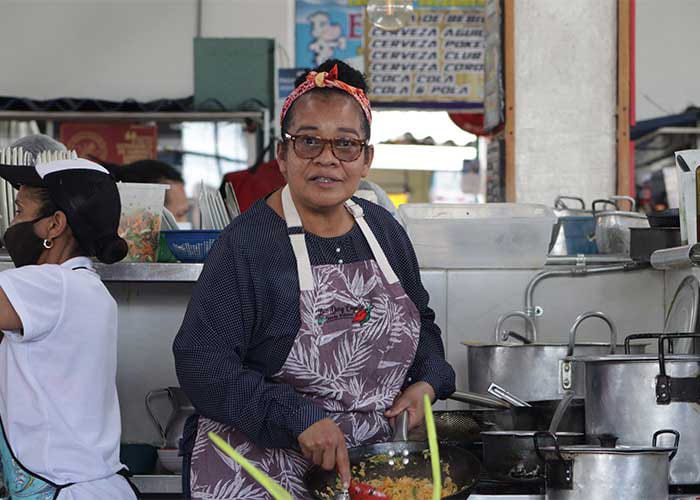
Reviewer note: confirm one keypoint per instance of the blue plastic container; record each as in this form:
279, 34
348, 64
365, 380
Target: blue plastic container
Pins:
579, 231
190, 246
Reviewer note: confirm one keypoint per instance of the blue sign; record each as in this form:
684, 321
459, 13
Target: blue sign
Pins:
329, 29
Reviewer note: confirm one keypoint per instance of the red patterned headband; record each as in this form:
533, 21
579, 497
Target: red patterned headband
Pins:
323, 79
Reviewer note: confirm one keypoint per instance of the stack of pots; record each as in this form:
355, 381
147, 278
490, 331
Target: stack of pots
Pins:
538, 373
631, 396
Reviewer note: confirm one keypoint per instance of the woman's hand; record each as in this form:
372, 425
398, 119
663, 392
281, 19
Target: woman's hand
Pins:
324, 444
411, 400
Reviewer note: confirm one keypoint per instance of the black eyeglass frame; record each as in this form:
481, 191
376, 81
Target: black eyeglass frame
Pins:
286, 136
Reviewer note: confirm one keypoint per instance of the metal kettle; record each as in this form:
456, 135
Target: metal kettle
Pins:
182, 408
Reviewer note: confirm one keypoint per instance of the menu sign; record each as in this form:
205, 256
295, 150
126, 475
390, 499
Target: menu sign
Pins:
118, 143
438, 59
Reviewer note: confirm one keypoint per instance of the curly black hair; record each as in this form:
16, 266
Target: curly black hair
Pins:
347, 74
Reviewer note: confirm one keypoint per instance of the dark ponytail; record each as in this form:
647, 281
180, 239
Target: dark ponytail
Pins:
111, 249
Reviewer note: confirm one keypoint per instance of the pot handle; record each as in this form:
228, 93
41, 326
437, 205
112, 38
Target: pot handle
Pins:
549, 435
639, 336
633, 203
149, 396
502, 336
669, 389
599, 202
581, 319
559, 204
401, 427
675, 442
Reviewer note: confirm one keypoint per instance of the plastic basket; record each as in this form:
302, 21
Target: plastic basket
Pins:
190, 246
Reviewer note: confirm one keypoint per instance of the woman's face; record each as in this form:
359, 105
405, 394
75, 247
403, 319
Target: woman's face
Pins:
324, 182
28, 205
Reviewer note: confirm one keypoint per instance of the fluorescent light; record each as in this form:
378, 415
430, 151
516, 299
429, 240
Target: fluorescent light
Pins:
421, 157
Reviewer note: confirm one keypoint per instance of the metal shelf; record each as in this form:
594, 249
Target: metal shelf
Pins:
138, 271
113, 116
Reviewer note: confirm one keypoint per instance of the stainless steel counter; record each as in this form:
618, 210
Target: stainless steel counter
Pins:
155, 484
136, 272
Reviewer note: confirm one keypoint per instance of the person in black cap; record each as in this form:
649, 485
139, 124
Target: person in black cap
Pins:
59, 410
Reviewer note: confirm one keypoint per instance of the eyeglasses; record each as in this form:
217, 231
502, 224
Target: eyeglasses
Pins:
310, 146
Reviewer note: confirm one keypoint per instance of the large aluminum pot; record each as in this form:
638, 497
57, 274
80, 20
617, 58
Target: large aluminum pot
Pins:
631, 396
535, 371
584, 472
612, 227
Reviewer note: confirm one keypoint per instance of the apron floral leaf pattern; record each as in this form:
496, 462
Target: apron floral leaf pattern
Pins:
352, 369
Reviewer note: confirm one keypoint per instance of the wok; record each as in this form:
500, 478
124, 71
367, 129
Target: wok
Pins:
411, 459
464, 427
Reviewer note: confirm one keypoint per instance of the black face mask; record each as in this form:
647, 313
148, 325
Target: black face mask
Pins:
22, 243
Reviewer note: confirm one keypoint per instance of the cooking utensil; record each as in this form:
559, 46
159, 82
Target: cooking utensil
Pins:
499, 392
606, 473
612, 229
463, 467
434, 449
272, 487
536, 371
635, 395
479, 400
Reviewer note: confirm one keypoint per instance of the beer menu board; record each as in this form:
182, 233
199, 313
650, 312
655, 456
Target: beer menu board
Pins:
437, 60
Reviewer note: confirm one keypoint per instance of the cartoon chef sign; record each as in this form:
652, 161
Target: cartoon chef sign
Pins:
326, 37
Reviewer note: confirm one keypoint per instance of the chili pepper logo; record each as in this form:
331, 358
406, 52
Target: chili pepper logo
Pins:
363, 315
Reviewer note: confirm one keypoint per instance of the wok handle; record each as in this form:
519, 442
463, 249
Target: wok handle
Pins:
401, 427
548, 435
479, 400
675, 442
581, 319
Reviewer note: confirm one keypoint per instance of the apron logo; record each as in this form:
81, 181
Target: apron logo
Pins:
337, 313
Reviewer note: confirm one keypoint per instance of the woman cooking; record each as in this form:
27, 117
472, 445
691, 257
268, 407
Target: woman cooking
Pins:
309, 328
59, 412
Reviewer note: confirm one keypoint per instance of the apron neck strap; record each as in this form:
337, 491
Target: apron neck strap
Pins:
295, 230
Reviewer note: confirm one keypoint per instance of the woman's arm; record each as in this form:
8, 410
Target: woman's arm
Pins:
210, 351
9, 319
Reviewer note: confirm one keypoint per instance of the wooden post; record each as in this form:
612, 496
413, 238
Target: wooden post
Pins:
509, 65
625, 182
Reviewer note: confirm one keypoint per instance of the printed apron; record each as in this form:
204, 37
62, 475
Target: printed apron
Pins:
358, 337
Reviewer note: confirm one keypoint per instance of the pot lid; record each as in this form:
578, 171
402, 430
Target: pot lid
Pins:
683, 313
474, 343
639, 358
596, 450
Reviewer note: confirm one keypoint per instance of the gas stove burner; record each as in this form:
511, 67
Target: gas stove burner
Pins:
489, 486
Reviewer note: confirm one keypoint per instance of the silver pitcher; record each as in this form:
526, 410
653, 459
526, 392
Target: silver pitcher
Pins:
171, 432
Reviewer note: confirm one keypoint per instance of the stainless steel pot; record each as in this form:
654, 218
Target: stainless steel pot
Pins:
607, 473
631, 396
535, 371
612, 228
